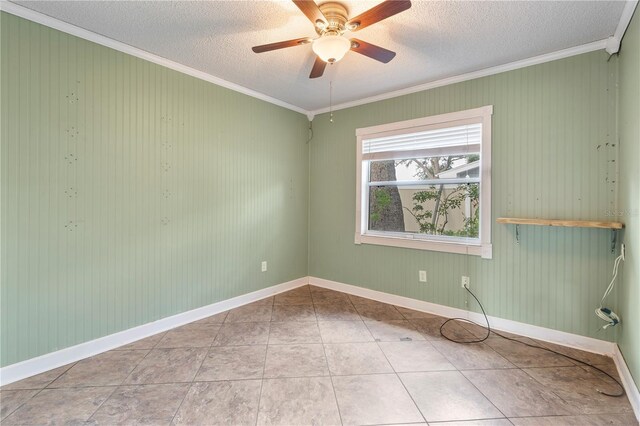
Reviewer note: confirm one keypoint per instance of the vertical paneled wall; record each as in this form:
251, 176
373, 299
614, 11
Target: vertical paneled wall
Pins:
554, 155
629, 211
131, 192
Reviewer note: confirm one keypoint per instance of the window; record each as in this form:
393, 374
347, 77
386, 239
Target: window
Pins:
426, 183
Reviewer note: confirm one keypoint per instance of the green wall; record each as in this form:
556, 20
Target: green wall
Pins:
131, 192
629, 123
553, 156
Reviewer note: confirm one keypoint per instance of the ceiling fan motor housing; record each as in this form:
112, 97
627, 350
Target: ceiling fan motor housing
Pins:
336, 14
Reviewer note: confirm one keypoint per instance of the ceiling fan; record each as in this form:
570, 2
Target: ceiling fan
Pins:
331, 22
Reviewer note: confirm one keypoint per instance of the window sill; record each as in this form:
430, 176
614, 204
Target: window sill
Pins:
483, 250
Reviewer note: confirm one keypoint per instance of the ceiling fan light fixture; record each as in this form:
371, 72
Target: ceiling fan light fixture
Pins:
331, 47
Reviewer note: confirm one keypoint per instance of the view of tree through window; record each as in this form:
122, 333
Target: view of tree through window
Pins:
420, 204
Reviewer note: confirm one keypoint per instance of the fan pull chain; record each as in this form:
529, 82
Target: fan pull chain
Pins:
330, 101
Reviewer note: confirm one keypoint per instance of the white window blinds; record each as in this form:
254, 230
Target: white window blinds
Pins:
431, 142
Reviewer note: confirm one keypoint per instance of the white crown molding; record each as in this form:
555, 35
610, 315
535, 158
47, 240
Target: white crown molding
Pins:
625, 19
627, 381
46, 362
613, 42
40, 18
548, 57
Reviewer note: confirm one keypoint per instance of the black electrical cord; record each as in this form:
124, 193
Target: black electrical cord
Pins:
489, 331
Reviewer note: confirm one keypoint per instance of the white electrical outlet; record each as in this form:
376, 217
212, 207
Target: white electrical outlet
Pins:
264, 266
464, 283
422, 276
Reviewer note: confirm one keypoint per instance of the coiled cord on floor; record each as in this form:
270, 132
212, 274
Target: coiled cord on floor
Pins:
489, 331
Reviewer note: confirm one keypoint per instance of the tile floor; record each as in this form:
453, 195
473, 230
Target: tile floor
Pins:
315, 356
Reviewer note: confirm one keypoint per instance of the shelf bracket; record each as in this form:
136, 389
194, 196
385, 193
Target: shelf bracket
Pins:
614, 237
517, 234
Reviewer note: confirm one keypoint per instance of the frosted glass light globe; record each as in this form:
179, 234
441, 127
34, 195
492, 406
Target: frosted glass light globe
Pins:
331, 47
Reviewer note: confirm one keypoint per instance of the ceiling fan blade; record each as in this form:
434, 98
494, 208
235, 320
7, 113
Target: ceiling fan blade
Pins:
371, 50
318, 68
311, 10
281, 45
377, 13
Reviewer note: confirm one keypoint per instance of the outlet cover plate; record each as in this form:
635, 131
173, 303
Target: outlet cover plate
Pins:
464, 282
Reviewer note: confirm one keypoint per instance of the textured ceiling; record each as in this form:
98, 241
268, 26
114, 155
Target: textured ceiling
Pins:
433, 39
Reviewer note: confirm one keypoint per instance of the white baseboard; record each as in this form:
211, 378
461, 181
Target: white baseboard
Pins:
33, 366
627, 381
528, 330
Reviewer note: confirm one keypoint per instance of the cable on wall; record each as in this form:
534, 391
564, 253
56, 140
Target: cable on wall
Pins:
310, 136
606, 314
331, 101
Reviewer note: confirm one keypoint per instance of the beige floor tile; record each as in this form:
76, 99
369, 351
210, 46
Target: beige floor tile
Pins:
344, 332
243, 333
412, 314
393, 331
233, 363
250, 313
195, 335
38, 381
480, 330
298, 401
447, 396
593, 420
294, 298
316, 289
356, 358
579, 388
374, 399
414, 356
168, 366
329, 297
60, 406
336, 312
145, 404
11, 400
146, 343
431, 328
357, 300
411, 424
293, 313
295, 361
109, 368
524, 356
486, 422
378, 312
589, 357
517, 394
220, 403
471, 356
608, 368
287, 333
313, 331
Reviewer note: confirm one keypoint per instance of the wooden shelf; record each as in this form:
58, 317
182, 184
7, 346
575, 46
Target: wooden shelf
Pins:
557, 222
